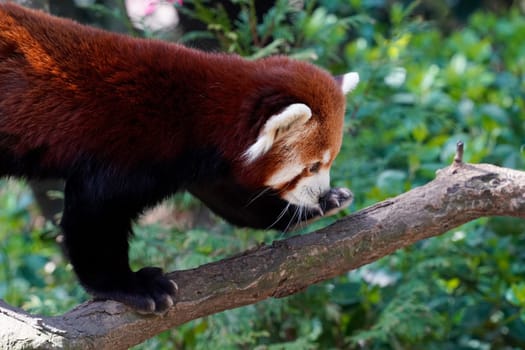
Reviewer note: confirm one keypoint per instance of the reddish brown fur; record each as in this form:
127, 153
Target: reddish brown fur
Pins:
128, 122
78, 89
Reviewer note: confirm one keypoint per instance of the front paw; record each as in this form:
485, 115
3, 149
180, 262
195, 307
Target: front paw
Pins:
335, 200
147, 291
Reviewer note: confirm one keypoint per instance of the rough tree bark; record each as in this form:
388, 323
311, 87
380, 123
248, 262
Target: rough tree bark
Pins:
460, 193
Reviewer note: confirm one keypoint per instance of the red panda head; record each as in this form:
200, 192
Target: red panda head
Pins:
280, 177
296, 146
279, 129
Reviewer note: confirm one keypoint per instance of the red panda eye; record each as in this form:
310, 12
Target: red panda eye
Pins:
314, 168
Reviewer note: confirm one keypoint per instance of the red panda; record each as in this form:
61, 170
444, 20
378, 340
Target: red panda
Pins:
127, 122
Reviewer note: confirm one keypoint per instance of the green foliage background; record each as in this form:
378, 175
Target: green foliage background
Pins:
428, 79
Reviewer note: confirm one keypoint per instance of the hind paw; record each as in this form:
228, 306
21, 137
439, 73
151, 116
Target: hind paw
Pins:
147, 291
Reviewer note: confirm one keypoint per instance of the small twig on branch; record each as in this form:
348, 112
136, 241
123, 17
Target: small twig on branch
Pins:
456, 196
458, 159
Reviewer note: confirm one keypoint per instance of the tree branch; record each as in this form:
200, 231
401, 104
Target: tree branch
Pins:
460, 193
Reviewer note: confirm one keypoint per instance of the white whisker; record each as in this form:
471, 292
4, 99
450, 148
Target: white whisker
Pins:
257, 196
302, 218
296, 213
280, 215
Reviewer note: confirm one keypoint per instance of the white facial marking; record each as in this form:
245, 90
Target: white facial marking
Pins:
284, 175
326, 157
309, 189
350, 81
293, 115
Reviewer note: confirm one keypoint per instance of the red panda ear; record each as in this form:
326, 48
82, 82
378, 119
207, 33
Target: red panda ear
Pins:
276, 127
348, 81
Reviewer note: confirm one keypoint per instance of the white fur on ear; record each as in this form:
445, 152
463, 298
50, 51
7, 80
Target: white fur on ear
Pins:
350, 81
294, 114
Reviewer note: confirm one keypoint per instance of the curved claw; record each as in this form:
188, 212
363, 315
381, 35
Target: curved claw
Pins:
335, 200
